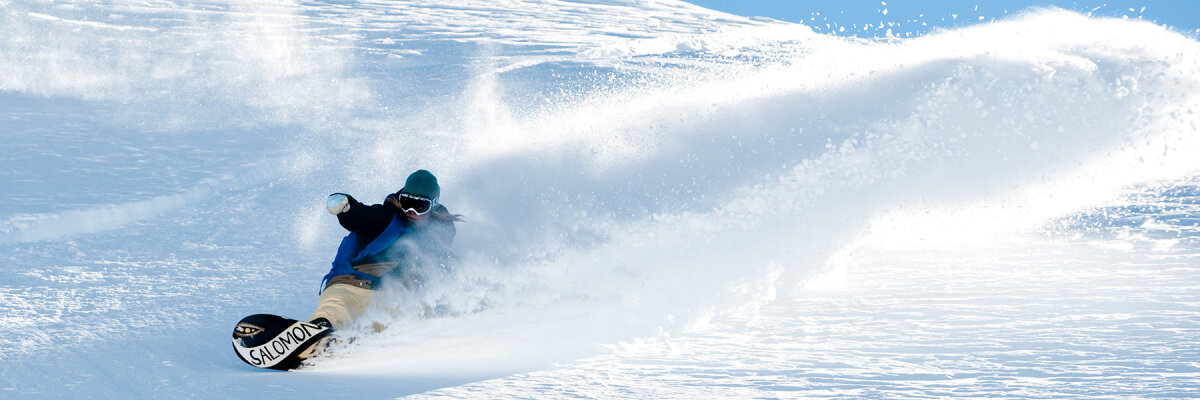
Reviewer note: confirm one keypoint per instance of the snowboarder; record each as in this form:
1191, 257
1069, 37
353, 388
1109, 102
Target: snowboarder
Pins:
411, 229
408, 233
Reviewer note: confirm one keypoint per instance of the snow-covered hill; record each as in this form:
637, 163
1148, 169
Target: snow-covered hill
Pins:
661, 200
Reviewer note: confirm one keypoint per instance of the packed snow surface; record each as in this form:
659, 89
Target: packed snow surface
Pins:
661, 201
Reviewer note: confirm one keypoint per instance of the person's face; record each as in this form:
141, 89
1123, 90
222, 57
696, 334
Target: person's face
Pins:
419, 219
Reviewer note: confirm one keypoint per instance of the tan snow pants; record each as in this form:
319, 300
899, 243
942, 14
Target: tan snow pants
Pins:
341, 304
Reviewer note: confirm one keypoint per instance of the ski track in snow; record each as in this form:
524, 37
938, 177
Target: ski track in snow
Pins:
663, 201
878, 338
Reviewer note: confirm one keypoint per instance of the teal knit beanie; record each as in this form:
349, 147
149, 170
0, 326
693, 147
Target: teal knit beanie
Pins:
422, 183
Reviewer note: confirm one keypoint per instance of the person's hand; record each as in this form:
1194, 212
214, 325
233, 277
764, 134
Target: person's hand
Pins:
337, 203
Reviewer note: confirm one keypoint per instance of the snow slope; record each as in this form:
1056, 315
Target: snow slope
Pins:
661, 200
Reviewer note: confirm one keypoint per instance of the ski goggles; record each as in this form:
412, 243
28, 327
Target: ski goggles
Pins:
416, 204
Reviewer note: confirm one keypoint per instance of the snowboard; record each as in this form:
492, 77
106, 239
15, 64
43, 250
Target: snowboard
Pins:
274, 342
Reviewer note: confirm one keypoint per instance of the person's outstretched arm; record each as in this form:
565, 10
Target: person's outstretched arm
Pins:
368, 221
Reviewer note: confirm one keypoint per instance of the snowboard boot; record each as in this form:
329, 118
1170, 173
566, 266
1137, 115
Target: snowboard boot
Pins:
321, 345
323, 322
